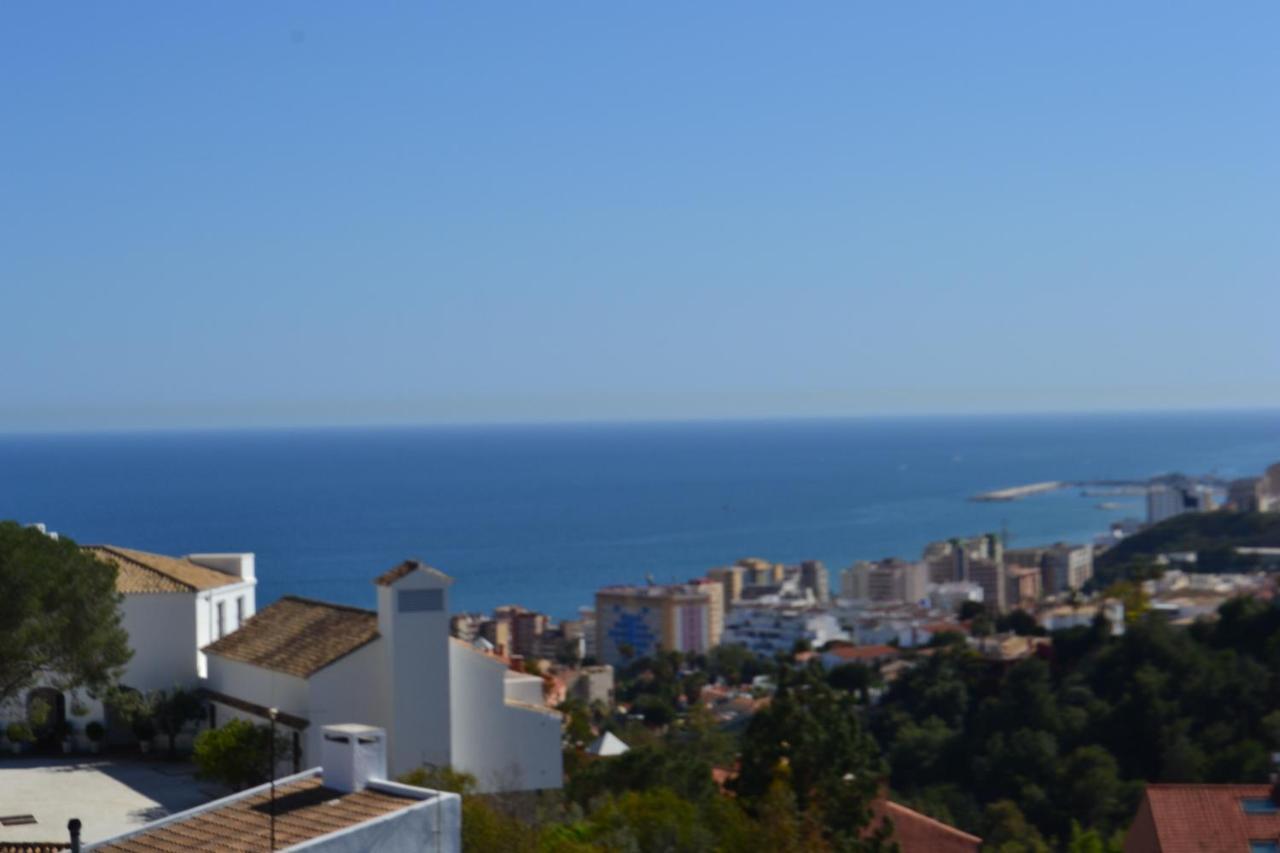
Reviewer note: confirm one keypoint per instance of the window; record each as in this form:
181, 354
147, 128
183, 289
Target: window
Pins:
1264, 847
420, 600
1259, 805
239, 611
219, 619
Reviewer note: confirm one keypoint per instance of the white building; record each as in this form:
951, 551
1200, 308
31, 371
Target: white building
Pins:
1174, 497
344, 806
948, 597
441, 700
769, 630
170, 608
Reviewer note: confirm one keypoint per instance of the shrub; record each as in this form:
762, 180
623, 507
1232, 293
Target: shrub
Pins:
19, 733
95, 731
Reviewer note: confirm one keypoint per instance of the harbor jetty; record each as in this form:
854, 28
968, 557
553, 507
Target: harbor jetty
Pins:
1016, 492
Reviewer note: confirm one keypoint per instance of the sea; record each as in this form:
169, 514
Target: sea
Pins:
542, 515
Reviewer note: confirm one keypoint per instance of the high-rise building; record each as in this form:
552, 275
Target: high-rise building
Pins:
885, 580
637, 621
1174, 496
814, 577
733, 578
990, 575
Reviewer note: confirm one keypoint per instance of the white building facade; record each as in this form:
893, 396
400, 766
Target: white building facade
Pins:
442, 701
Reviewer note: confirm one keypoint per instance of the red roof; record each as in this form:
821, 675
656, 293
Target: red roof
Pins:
855, 653
1199, 819
918, 833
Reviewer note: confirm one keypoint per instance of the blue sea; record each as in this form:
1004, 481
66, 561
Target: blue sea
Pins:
543, 515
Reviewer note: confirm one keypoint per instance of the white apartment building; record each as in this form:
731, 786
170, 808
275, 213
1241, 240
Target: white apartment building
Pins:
1169, 499
769, 630
443, 702
948, 597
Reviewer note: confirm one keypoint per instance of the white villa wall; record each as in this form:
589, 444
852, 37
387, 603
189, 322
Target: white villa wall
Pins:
261, 686
415, 674
162, 634
520, 687
207, 614
509, 747
345, 690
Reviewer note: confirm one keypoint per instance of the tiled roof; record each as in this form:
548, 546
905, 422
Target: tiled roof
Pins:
304, 810
390, 576
1197, 818
860, 653
298, 636
140, 572
918, 833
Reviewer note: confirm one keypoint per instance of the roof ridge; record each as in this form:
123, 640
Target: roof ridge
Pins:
932, 820
302, 599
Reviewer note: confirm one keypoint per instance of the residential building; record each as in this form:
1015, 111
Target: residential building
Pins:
1175, 495
1066, 616
641, 620
776, 629
1066, 567
442, 701
948, 597
346, 804
1270, 497
1246, 494
917, 833
991, 576
733, 579
1022, 586
170, 607
525, 628
1176, 818
870, 655
885, 581
592, 684
815, 578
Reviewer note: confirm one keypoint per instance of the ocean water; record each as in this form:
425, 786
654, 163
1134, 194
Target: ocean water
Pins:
543, 515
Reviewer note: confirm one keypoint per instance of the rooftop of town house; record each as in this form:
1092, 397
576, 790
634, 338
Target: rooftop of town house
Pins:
142, 572
304, 808
919, 833
298, 636
1191, 818
406, 568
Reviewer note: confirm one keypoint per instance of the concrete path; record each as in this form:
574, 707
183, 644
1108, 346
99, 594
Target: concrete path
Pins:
110, 795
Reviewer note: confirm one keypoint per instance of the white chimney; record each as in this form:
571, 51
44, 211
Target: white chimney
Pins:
351, 754
237, 565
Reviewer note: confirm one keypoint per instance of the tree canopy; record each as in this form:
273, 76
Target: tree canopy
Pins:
59, 615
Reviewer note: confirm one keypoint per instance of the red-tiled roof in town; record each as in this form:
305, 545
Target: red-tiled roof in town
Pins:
298, 636
863, 653
141, 572
918, 833
304, 810
390, 576
1201, 818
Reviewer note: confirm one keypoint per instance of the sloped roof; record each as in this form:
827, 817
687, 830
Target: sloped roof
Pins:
298, 636
304, 810
1195, 818
608, 744
918, 833
142, 572
390, 576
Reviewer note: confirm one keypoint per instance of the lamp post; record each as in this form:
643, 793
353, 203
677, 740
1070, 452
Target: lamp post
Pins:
272, 713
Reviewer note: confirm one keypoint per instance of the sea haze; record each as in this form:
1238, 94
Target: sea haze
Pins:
542, 515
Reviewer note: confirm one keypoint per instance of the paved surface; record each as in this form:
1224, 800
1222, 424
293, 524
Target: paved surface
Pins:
108, 794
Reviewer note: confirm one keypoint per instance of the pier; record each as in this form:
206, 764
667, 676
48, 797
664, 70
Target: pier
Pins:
1016, 492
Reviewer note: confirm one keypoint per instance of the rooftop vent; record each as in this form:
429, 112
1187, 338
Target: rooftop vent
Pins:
352, 754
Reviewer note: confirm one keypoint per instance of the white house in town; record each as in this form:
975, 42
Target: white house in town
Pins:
441, 701
170, 608
345, 805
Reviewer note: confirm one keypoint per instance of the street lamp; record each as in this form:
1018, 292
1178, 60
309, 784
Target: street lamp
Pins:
273, 713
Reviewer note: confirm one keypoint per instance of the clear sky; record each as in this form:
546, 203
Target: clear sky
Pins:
312, 212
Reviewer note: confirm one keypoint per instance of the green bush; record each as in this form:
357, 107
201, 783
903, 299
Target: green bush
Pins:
19, 733
95, 731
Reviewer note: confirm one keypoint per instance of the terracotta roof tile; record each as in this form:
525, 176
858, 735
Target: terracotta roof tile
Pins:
390, 576
304, 810
861, 653
141, 572
1199, 818
298, 636
918, 833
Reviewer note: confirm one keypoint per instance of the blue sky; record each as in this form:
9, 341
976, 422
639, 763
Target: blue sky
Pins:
302, 213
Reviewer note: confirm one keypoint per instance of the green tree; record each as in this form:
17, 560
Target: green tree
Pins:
172, 709
1007, 830
238, 754
59, 615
